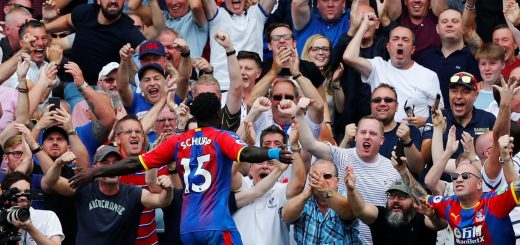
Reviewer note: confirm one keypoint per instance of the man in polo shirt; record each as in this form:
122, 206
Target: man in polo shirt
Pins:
452, 55
461, 113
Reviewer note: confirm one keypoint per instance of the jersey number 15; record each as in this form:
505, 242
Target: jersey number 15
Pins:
185, 162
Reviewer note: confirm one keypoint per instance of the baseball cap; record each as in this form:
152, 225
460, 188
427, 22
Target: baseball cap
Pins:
151, 47
400, 186
146, 67
107, 69
464, 78
103, 151
56, 129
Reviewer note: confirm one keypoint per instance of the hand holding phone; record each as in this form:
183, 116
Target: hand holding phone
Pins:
399, 151
436, 104
55, 103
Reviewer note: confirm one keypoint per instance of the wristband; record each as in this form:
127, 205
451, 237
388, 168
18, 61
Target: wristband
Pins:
231, 52
297, 76
274, 153
408, 144
171, 172
83, 86
297, 149
37, 150
72, 132
187, 54
22, 90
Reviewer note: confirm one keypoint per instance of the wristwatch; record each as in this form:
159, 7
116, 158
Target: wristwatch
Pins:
34, 151
328, 194
408, 144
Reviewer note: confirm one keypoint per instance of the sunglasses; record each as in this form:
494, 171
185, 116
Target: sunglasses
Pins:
400, 196
16, 154
385, 99
279, 97
286, 37
465, 176
464, 78
328, 176
59, 35
108, 80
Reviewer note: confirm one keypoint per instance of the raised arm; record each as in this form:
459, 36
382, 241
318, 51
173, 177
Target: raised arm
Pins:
159, 200
299, 172
337, 202
197, 11
210, 8
262, 87
52, 181
150, 118
351, 54
315, 111
123, 84
62, 23
502, 125
76, 145
350, 133
247, 196
506, 149
22, 106
471, 38
438, 6
234, 96
293, 208
416, 188
185, 68
301, 13
364, 211
511, 12
46, 81
99, 104
316, 148
415, 160
260, 105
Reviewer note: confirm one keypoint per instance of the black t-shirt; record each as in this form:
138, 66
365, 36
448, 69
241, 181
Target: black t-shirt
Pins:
308, 69
172, 219
414, 233
108, 219
96, 45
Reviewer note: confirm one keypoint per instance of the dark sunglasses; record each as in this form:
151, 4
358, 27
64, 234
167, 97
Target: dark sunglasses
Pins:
59, 35
327, 176
16, 154
279, 97
465, 176
385, 99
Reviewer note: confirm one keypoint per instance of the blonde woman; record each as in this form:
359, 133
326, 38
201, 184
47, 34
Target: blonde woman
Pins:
317, 50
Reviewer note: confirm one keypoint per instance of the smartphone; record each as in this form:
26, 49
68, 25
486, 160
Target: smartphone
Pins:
399, 150
54, 102
436, 103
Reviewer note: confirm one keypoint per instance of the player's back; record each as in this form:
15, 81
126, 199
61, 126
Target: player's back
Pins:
204, 158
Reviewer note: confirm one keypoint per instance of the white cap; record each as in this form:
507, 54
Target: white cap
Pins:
107, 69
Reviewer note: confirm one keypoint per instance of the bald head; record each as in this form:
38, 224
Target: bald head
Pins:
483, 145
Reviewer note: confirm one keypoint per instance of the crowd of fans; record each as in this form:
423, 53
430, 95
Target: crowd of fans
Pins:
261, 121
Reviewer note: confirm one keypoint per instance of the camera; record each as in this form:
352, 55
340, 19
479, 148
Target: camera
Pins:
8, 213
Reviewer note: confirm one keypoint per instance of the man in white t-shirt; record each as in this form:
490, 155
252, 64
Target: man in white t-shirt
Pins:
43, 226
416, 85
244, 25
259, 222
375, 173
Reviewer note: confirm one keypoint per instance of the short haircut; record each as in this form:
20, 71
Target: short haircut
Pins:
30, 24
205, 107
308, 44
371, 117
273, 129
11, 178
167, 30
387, 86
273, 26
448, 9
405, 27
323, 161
12, 141
250, 55
205, 79
491, 51
15, 10
278, 80
500, 26
129, 117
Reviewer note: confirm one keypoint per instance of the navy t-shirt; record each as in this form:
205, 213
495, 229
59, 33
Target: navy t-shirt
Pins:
391, 140
96, 45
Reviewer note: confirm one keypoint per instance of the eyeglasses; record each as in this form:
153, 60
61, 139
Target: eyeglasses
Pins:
15, 154
465, 176
279, 97
108, 80
129, 132
163, 120
286, 37
316, 49
328, 176
59, 35
385, 99
400, 196
15, 5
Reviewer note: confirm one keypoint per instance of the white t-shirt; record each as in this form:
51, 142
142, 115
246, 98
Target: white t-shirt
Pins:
259, 222
246, 33
500, 182
417, 85
46, 222
494, 108
33, 74
372, 180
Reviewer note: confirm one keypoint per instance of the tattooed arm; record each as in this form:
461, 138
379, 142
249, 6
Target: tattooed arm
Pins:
471, 38
407, 178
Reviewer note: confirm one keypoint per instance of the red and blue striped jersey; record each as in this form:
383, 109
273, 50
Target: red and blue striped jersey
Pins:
204, 158
487, 222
